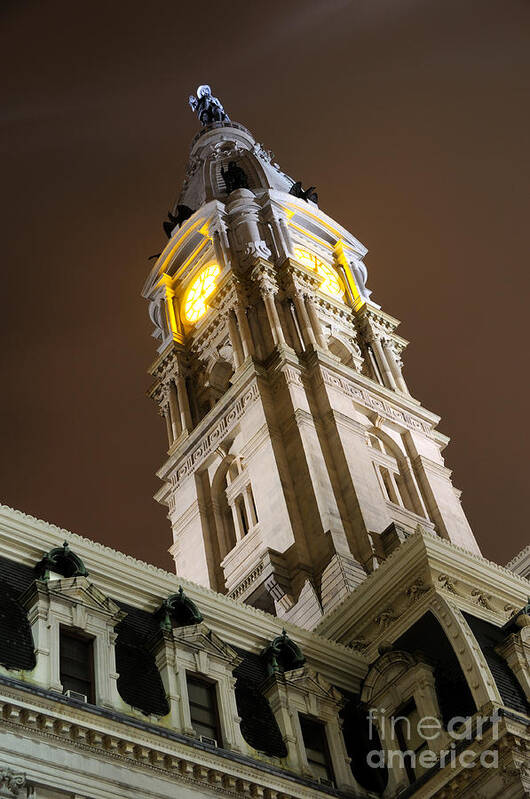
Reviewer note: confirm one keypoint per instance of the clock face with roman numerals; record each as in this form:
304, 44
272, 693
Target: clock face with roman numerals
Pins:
195, 301
331, 283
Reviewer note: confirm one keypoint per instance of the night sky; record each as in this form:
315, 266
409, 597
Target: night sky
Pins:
410, 117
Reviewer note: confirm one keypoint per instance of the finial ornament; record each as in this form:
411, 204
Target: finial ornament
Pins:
208, 108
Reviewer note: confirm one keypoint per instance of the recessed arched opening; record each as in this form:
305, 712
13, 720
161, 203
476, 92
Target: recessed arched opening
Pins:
395, 478
233, 503
339, 349
226, 532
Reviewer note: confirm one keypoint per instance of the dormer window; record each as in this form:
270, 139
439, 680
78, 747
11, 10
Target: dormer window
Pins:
76, 664
73, 627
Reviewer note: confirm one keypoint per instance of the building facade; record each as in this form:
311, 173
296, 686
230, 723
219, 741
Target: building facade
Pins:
332, 628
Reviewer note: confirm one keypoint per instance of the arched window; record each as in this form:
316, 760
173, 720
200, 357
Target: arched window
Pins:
240, 498
234, 504
394, 475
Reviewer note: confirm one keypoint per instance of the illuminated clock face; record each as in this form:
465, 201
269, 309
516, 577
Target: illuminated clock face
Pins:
331, 283
203, 286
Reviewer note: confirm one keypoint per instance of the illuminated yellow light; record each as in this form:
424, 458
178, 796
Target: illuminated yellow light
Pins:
203, 286
331, 283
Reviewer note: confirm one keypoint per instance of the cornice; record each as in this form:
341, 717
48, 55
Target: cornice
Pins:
244, 377
521, 557
140, 745
24, 538
471, 579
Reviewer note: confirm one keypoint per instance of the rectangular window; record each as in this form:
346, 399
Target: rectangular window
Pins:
240, 504
406, 724
76, 663
203, 708
316, 748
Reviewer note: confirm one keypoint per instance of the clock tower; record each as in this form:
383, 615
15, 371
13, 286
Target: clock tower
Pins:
298, 458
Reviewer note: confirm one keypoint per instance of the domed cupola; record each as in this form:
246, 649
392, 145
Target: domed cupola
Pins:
225, 156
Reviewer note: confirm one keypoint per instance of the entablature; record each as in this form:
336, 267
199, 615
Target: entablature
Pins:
422, 568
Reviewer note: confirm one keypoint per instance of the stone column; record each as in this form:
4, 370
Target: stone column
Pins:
388, 377
165, 662
397, 775
184, 405
315, 322
274, 319
340, 759
294, 327
229, 717
237, 521
395, 368
235, 340
285, 235
253, 514
184, 705
287, 722
174, 411
305, 324
164, 411
248, 507
244, 329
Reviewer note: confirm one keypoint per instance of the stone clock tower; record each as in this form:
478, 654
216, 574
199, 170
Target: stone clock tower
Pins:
304, 479
298, 457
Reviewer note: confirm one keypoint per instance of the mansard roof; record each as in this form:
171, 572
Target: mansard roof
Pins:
489, 637
139, 681
16, 642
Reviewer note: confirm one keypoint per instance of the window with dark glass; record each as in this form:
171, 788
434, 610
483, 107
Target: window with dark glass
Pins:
240, 504
406, 726
76, 664
203, 708
316, 748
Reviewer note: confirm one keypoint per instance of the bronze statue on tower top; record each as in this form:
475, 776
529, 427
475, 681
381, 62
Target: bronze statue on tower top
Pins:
208, 108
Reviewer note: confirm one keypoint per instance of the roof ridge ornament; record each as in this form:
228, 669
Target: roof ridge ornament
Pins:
207, 107
60, 560
282, 654
178, 610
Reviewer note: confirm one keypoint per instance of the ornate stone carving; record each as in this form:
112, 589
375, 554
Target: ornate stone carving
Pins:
481, 598
359, 645
416, 590
261, 152
385, 618
364, 397
212, 439
447, 583
12, 781
253, 250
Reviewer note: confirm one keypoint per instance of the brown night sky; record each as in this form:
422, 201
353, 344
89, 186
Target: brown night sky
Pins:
410, 117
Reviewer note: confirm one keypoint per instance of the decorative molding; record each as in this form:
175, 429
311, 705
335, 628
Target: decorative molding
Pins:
243, 586
213, 437
438, 554
24, 538
198, 765
12, 782
382, 408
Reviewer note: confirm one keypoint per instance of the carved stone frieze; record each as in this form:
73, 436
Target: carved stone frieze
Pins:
12, 783
119, 744
447, 583
381, 407
416, 590
481, 598
212, 439
385, 618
